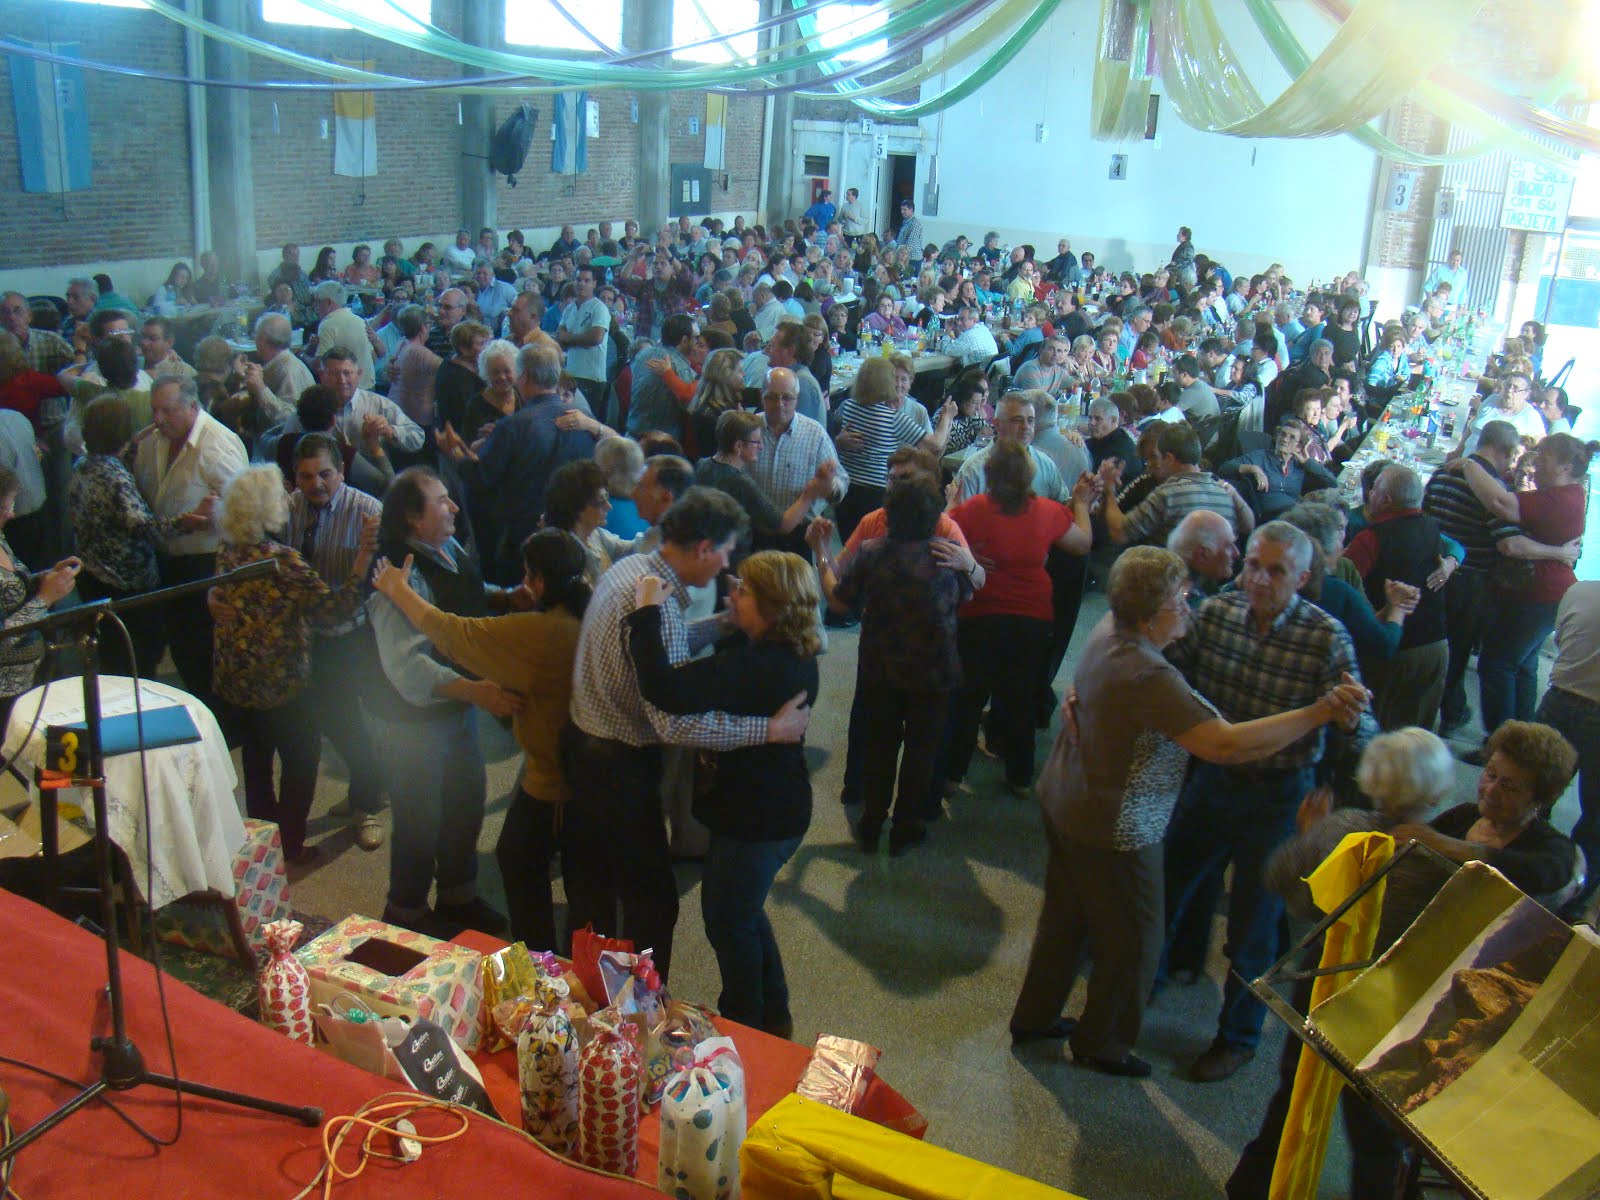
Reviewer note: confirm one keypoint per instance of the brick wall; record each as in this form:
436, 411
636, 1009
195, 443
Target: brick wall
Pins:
298, 197
139, 205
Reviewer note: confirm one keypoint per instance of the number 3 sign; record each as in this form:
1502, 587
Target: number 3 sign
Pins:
1402, 187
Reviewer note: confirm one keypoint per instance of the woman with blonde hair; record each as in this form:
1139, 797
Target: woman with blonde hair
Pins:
262, 649
758, 804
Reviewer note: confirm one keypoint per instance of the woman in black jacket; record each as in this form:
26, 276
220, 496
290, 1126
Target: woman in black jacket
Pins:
757, 803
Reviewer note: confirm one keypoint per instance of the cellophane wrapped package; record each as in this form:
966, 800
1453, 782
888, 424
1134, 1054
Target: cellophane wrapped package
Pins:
839, 1072
703, 1125
608, 1096
285, 990
547, 1071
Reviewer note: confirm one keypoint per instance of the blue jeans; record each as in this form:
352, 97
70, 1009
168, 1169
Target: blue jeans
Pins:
733, 896
437, 790
1578, 720
1236, 816
1508, 665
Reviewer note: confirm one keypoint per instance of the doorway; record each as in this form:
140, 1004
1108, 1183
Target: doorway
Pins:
900, 183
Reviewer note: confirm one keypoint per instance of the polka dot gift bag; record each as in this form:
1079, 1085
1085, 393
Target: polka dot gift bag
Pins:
703, 1125
285, 990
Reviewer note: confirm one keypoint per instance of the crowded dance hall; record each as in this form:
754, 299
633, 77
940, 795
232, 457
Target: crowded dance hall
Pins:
800, 598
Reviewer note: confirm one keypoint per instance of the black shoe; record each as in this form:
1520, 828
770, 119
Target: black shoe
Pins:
1473, 758
418, 924
474, 914
1448, 725
867, 832
1129, 1066
841, 620
1061, 1027
905, 837
1184, 976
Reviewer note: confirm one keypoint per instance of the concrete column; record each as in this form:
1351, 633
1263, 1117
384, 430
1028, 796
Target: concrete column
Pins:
227, 138
483, 24
647, 24
780, 167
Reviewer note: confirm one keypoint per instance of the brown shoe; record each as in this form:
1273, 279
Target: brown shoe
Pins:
369, 832
1219, 1062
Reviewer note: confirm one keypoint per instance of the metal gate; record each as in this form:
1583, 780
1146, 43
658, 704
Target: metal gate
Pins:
1466, 217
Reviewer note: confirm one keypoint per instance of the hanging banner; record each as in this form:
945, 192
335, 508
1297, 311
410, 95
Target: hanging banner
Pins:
716, 131
569, 148
52, 122
355, 128
1537, 197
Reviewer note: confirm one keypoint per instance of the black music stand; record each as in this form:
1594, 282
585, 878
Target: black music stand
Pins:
1288, 970
122, 1066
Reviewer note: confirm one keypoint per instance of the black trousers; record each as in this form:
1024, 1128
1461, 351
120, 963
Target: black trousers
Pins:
1068, 574
1003, 660
146, 629
529, 840
1463, 620
1379, 1156
616, 843
898, 723
189, 633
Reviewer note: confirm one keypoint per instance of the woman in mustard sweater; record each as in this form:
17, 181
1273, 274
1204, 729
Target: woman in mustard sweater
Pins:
530, 653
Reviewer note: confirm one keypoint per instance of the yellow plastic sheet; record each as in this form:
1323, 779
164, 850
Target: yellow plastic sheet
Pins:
1120, 102
802, 1150
1304, 1143
1384, 50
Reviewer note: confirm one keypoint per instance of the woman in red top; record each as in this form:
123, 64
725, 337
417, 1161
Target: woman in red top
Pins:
21, 387
1522, 613
1003, 632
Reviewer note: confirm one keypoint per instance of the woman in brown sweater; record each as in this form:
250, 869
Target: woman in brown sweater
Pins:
530, 653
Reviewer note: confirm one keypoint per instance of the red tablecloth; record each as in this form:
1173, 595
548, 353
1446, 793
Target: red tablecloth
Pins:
772, 1066
52, 976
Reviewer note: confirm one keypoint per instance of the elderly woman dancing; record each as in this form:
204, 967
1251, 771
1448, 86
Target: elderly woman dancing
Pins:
1113, 778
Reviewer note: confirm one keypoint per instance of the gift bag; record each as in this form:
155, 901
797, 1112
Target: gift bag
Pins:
703, 1125
587, 946
284, 990
547, 1072
608, 1098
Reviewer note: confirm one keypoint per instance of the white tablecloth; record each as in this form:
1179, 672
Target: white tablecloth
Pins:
196, 829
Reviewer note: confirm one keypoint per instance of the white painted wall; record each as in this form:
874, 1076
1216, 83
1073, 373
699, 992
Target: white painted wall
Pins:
1306, 204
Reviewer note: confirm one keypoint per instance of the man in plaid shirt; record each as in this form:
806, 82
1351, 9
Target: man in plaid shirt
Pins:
616, 849
1252, 652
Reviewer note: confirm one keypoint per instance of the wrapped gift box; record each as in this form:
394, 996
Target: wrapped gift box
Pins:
260, 891
398, 973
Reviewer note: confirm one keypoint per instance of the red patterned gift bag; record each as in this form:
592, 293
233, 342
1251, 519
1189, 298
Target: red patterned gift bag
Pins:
608, 1098
285, 991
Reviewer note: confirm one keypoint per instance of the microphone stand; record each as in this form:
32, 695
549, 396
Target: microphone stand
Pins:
122, 1066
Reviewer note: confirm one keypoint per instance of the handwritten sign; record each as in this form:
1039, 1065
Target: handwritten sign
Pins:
1537, 197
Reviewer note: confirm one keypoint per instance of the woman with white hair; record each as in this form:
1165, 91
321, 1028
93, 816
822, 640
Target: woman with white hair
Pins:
1405, 775
499, 398
262, 649
623, 462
